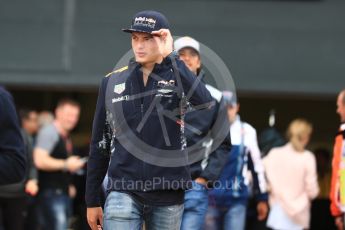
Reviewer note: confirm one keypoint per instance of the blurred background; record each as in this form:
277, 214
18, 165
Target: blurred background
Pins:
283, 55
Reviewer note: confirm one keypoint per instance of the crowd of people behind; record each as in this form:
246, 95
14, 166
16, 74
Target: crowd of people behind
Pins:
225, 182
287, 173
54, 174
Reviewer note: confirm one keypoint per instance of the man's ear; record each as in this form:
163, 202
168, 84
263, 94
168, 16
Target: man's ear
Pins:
199, 64
57, 111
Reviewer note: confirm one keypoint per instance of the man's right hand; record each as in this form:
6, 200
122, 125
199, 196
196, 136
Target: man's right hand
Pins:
74, 163
95, 216
339, 222
164, 40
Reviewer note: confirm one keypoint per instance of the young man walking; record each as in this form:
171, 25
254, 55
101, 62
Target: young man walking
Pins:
138, 133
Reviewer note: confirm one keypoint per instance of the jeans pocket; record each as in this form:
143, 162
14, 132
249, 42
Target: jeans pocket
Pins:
118, 206
167, 217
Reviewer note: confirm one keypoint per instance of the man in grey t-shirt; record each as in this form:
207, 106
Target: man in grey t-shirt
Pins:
54, 160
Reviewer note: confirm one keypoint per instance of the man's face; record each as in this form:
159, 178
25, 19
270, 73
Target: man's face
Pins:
68, 115
191, 58
30, 124
145, 48
232, 112
341, 107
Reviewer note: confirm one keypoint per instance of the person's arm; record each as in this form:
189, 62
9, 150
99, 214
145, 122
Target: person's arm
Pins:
12, 153
216, 162
220, 134
45, 162
334, 191
311, 183
98, 160
33, 174
195, 90
47, 139
256, 165
99, 151
31, 185
260, 193
259, 187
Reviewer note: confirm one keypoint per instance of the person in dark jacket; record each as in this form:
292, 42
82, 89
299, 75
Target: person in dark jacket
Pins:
12, 153
210, 144
12, 163
30, 126
29, 122
139, 128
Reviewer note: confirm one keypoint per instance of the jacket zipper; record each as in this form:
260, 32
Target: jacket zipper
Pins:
143, 163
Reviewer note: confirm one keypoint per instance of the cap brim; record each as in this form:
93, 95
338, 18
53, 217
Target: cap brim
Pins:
135, 30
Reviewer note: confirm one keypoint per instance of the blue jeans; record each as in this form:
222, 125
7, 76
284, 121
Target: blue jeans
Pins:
121, 211
231, 218
54, 207
195, 207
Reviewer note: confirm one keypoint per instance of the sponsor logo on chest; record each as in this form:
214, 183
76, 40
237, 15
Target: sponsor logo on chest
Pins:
119, 88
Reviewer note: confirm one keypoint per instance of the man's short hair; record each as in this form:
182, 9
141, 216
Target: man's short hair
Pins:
67, 101
24, 113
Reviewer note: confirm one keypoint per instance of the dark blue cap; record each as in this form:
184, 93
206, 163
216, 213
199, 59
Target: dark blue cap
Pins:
148, 21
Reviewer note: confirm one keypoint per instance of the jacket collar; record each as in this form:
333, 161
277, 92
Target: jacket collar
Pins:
201, 75
156, 69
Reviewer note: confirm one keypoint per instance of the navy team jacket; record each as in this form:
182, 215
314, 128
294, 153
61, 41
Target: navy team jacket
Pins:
139, 130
